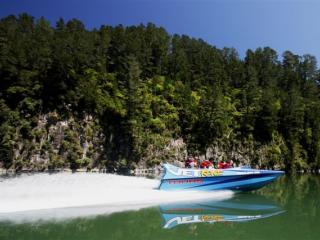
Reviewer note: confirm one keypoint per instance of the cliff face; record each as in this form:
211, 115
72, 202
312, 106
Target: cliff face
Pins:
58, 142
71, 142
61, 143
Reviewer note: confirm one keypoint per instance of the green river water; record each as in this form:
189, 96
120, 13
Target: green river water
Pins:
286, 209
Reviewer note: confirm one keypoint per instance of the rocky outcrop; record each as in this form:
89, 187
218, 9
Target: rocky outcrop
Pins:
58, 142
175, 152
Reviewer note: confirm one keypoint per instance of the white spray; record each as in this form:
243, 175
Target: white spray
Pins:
66, 195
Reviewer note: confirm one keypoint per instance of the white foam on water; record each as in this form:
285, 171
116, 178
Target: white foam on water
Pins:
66, 195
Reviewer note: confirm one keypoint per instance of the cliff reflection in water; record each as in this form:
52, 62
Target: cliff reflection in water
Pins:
241, 208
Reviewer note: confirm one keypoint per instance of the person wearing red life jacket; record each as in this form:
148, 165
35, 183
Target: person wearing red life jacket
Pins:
229, 164
206, 164
222, 165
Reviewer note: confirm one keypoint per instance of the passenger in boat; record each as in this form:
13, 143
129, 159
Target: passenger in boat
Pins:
221, 164
191, 163
197, 162
206, 164
194, 164
213, 163
229, 164
187, 163
224, 164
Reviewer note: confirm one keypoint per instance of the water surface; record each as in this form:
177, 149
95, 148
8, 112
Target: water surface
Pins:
287, 209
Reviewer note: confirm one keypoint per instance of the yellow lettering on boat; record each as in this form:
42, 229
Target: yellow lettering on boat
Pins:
210, 173
205, 173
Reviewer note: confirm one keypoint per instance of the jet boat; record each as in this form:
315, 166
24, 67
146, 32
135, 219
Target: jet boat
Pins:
237, 179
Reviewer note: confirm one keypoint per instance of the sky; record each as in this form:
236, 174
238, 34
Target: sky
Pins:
242, 24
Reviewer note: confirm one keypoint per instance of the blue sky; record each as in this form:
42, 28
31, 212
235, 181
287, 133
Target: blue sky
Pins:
281, 24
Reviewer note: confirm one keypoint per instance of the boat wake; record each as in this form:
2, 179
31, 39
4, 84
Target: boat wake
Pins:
65, 195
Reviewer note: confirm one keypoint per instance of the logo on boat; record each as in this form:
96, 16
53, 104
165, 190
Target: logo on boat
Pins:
195, 172
210, 173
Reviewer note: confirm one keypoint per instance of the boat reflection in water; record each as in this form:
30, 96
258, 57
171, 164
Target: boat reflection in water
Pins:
241, 208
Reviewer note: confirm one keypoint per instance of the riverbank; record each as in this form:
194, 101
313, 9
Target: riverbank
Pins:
59, 170
147, 172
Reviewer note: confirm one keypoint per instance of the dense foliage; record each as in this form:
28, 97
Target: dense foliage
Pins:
146, 87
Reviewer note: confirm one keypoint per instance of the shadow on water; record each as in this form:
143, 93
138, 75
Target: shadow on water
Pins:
287, 209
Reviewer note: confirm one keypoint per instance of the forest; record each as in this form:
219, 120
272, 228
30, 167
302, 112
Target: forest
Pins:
137, 88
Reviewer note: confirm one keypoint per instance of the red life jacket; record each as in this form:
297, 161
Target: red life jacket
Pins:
206, 164
221, 165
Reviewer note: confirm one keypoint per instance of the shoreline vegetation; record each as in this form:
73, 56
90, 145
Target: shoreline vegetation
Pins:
153, 172
118, 97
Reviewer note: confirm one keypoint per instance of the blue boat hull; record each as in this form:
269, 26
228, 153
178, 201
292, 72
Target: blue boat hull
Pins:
237, 179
